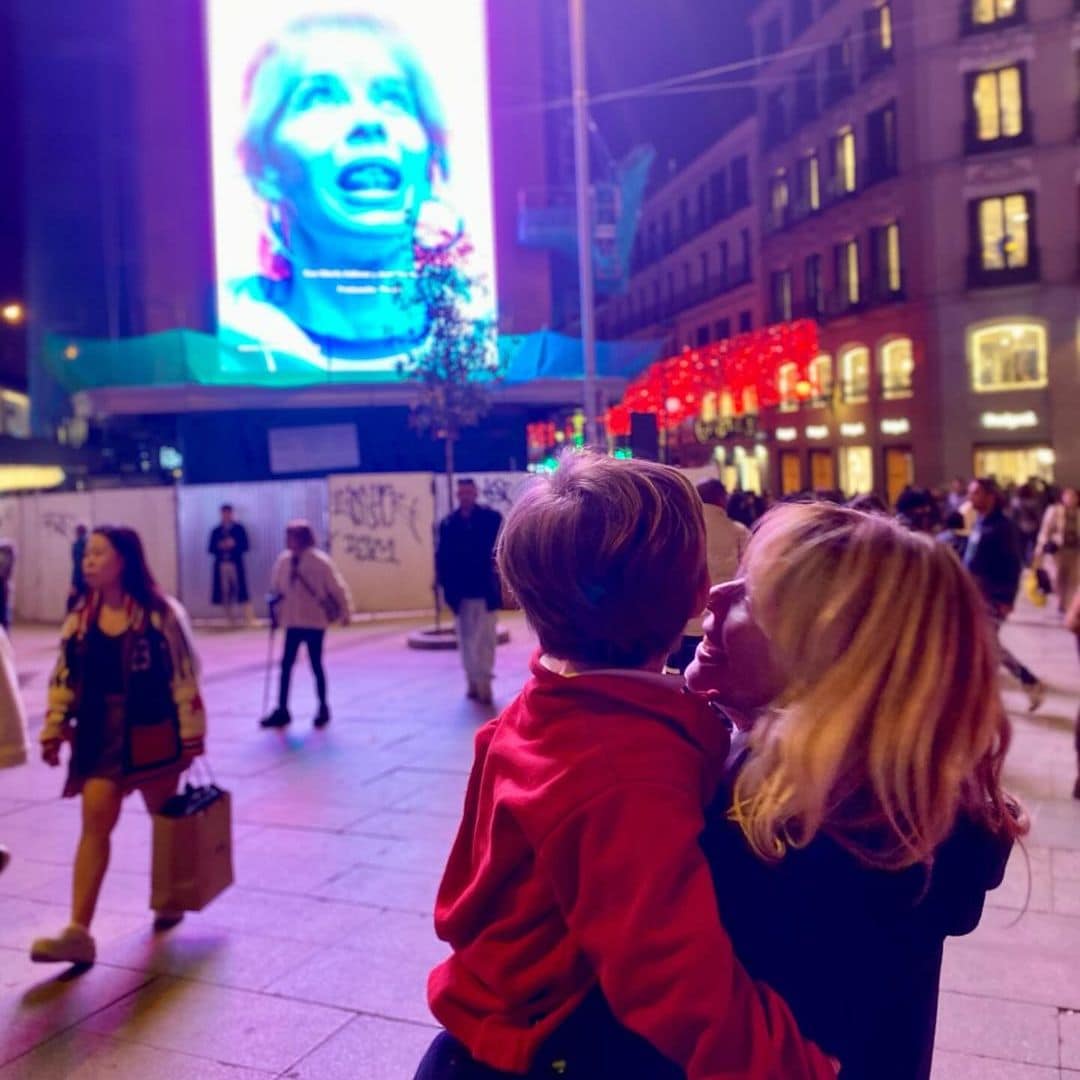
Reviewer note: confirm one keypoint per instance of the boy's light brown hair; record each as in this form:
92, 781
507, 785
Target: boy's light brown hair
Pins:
607, 559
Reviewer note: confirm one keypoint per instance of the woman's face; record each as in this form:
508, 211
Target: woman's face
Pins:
1070, 498
103, 567
350, 148
735, 662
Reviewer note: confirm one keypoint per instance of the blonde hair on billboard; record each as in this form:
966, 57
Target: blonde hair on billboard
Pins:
891, 722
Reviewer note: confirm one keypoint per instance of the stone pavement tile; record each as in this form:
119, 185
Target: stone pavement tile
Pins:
7, 805
1067, 896
233, 1027
386, 973
37, 1001
27, 877
385, 887
1066, 865
1031, 959
208, 954
405, 825
950, 1066
306, 919
295, 812
1069, 1026
1056, 822
1028, 884
23, 920
82, 1055
998, 1029
369, 1048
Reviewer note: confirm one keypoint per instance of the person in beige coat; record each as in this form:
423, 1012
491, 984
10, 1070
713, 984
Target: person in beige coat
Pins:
725, 542
1059, 544
308, 594
12, 719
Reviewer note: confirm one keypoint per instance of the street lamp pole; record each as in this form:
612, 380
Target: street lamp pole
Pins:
584, 214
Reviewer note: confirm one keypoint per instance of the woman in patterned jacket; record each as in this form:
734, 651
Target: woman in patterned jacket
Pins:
125, 695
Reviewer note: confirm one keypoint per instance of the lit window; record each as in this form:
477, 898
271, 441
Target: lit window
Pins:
727, 404
856, 470
750, 400
885, 27
809, 182
844, 174
787, 379
988, 12
855, 373
897, 368
846, 272
779, 196
892, 244
1007, 356
997, 100
821, 376
1003, 226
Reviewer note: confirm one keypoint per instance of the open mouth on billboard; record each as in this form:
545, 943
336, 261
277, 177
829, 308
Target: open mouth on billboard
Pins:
375, 178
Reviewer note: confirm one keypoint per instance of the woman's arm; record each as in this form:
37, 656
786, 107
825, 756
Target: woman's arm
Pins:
184, 682
61, 694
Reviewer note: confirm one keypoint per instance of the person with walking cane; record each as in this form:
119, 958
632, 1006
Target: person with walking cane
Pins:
308, 594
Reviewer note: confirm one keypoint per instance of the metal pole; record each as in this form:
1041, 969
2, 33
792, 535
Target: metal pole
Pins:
584, 214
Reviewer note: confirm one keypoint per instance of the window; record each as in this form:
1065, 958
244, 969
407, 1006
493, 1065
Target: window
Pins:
702, 336
665, 230
1007, 356
740, 183
724, 261
702, 206
775, 118
808, 185
815, 286
744, 249
882, 159
806, 94
703, 258
718, 195
684, 219
897, 368
996, 111
856, 470
839, 70
750, 400
779, 198
886, 271
780, 296
1002, 239
843, 162
983, 14
855, 373
846, 272
685, 275
772, 38
787, 381
878, 29
670, 286
722, 329
802, 15
746, 322
821, 377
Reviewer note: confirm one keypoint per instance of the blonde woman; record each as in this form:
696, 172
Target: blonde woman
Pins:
864, 818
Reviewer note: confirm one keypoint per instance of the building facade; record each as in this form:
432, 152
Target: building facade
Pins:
917, 194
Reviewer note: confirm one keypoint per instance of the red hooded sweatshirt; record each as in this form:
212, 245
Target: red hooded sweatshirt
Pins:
578, 862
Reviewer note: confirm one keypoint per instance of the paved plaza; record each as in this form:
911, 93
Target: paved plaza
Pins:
313, 965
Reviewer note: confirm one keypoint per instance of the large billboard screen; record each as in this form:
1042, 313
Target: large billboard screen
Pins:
347, 139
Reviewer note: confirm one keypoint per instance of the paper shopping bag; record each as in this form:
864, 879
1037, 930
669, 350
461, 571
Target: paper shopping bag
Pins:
192, 861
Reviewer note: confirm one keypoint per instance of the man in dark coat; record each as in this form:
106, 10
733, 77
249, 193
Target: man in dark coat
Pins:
994, 557
228, 545
465, 569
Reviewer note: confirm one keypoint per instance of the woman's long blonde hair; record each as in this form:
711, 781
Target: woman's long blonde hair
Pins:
891, 721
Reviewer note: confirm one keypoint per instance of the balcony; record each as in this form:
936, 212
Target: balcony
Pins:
979, 277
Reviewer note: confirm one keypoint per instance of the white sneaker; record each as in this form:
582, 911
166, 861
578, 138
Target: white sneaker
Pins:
1036, 693
73, 946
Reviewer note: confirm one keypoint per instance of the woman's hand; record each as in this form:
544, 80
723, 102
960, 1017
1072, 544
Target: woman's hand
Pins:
50, 752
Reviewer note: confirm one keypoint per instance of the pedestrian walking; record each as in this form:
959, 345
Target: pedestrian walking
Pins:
229, 544
862, 818
125, 695
13, 750
725, 542
7, 581
1059, 544
953, 533
307, 596
78, 578
465, 570
1072, 624
994, 558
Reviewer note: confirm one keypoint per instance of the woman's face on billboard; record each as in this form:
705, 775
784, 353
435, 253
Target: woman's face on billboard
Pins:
350, 149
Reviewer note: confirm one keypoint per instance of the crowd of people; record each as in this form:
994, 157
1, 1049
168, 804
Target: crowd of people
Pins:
741, 801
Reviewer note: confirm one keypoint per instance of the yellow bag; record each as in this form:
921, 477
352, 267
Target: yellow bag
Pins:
1032, 590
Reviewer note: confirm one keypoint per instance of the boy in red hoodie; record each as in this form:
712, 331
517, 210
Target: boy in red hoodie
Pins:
585, 934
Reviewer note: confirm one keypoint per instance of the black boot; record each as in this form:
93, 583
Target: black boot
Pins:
322, 717
279, 718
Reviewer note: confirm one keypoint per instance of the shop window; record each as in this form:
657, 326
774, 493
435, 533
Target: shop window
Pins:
787, 381
750, 401
843, 176
897, 368
856, 470
996, 113
1007, 356
1015, 464
821, 377
855, 374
